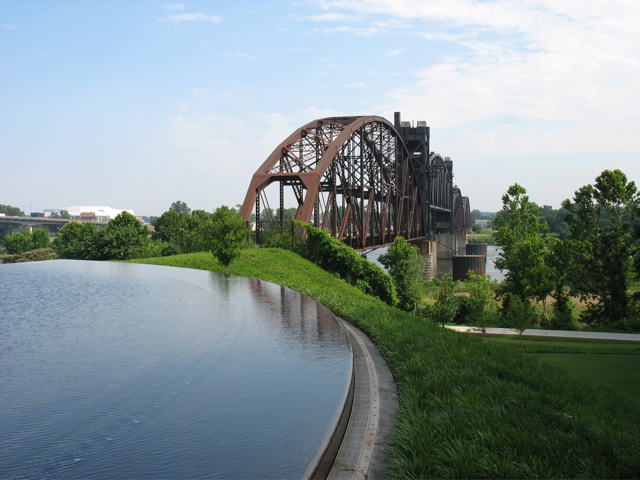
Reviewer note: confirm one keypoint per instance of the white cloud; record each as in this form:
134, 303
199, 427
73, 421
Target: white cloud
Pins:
569, 68
190, 17
175, 6
8, 26
327, 17
393, 53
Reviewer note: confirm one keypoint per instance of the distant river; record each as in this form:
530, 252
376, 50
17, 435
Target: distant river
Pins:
111, 370
444, 266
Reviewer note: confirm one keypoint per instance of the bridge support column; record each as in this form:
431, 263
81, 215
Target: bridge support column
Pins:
428, 249
451, 244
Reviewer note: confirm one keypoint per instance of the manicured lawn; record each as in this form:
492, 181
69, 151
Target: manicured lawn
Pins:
621, 372
568, 345
614, 363
469, 407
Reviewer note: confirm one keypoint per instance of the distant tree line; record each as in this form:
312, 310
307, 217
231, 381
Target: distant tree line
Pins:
554, 218
179, 230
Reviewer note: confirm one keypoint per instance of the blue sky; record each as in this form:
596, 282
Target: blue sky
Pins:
139, 103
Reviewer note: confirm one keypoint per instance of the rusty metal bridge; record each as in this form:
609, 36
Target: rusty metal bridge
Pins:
363, 179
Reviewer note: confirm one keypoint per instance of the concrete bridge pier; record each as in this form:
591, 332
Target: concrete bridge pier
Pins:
450, 244
428, 249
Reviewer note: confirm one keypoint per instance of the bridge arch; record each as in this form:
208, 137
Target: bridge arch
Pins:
351, 175
461, 211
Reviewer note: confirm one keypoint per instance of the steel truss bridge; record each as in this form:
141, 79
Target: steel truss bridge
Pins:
364, 180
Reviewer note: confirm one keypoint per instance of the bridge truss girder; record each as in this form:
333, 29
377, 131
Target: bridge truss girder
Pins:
350, 175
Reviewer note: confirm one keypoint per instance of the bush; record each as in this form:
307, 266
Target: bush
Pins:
31, 256
336, 257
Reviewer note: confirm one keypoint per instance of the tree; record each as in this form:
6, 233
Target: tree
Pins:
405, 266
171, 227
226, 237
481, 298
603, 244
18, 243
446, 304
180, 207
519, 313
187, 233
75, 241
196, 225
123, 238
526, 248
11, 211
62, 214
40, 238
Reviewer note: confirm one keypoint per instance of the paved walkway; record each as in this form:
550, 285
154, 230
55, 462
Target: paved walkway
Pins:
533, 332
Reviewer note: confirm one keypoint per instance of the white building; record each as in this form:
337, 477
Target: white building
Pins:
90, 212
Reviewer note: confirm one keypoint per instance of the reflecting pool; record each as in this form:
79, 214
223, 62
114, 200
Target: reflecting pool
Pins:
111, 370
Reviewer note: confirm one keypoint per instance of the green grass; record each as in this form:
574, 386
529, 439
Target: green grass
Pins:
614, 363
531, 344
469, 408
621, 372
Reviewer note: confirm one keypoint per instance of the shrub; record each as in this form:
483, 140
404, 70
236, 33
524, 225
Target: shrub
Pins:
336, 257
32, 256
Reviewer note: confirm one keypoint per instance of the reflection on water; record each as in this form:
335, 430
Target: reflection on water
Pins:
137, 371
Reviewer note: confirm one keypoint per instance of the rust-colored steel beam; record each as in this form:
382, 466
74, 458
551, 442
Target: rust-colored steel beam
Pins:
355, 172
355, 177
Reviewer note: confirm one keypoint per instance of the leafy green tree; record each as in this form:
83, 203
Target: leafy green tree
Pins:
123, 238
171, 227
75, 241
185, 233
10, 211
519, 314
405, 266
40, 238
446, 305
481, 299
18, 243
62, 214
226, 238
526, 248
603, 244
180, 207
197, 223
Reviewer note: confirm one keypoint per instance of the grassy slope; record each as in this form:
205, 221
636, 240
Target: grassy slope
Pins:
468, 407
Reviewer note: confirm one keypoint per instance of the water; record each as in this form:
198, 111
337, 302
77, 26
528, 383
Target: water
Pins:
445, 266
112, 370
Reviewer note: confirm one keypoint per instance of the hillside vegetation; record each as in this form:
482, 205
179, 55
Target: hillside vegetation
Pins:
468, 408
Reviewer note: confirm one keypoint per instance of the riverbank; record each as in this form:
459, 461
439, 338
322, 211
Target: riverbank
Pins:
467, 408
